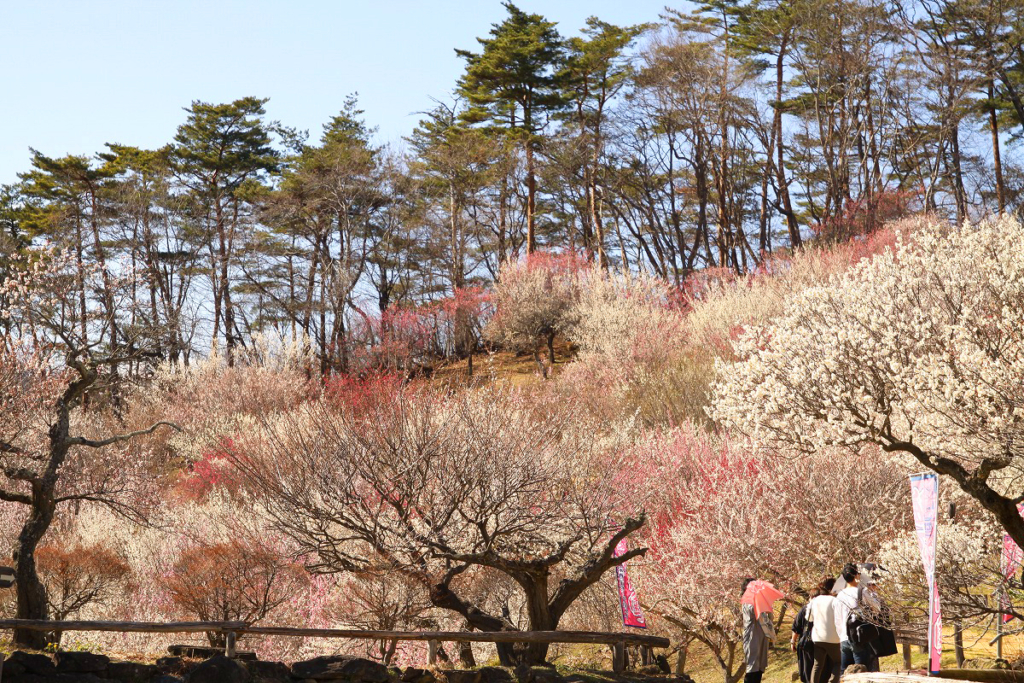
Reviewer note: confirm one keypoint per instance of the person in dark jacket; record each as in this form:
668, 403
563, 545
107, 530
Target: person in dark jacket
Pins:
802, 644
885, 644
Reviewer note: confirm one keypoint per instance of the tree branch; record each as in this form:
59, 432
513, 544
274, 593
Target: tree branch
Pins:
11, 448
570, 589
12, 497
91, 443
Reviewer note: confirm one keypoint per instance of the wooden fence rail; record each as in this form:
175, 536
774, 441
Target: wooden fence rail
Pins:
234, 629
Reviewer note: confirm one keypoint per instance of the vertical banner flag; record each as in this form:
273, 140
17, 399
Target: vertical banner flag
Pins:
1012, 558
924, 494
632, 615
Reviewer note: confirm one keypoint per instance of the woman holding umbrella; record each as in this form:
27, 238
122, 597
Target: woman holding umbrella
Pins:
758, 629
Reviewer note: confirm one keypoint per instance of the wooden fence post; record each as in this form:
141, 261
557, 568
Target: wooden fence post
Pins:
432, 652
907, 664
619, 657
229, 644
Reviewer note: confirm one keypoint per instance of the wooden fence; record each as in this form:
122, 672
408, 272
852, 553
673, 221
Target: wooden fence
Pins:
233, 629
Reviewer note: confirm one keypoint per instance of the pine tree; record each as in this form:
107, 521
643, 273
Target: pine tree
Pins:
513, 85
64, 204
217, 151
596, 70
320, 220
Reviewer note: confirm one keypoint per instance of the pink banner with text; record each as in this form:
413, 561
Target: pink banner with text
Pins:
632, 615
1012, 558
924, 494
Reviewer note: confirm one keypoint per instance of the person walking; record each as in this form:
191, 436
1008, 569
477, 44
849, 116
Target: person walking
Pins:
824, 634
847, 602
801, 643
885, 644
758, 631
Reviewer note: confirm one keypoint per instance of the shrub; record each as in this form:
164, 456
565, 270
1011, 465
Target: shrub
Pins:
231, 581
78, 576
534, 300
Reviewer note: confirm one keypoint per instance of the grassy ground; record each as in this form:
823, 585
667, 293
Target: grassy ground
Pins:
517, 369
782, 661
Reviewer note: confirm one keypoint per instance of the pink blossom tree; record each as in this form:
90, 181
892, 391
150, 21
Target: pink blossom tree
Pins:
721, 511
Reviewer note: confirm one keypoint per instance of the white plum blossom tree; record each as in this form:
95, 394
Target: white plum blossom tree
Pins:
919, 351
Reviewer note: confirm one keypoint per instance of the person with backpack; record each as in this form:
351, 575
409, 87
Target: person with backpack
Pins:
885, 644
847, 611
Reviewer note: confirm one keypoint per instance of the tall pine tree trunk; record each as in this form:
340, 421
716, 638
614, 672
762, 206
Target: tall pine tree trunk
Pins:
993, 119
780, 168
531, 201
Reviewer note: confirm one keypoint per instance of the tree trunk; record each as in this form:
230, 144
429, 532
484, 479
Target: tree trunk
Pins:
958, 178
595, 219
531, 201
551, 348
780, 169
30, 592
958, 643
540, 364
389, 651
541, 617
993, 119
681, 660
442, 596
466, 655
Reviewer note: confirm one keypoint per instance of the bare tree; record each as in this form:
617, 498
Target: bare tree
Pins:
438, 487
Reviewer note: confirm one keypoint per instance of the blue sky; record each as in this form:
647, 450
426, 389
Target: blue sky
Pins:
80, 73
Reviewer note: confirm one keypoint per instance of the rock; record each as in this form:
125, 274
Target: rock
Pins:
495, 674
23, 662
80, 662
414, 675
206, 652
166, 678
171, 665
462, 676
131, 672
54, 678
219, 669
524, 674
546, 674
341, 667
266, 672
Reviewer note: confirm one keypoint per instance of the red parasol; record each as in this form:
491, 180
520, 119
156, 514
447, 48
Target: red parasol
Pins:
762, 595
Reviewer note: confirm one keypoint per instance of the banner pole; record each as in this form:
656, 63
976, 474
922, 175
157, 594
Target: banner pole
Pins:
999, 635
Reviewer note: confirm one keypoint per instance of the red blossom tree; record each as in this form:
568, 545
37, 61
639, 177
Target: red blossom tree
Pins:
231, 581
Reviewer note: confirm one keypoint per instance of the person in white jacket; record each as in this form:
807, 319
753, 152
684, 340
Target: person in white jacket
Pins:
822, 618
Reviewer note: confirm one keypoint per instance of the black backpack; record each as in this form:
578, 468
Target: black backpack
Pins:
860, 630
